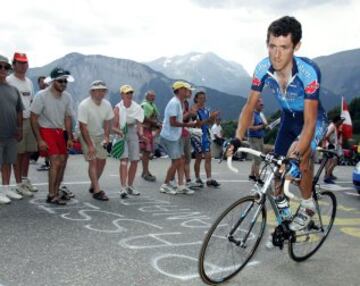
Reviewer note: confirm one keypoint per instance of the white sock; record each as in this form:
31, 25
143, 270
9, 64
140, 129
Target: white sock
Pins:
5, 188
209, 179
308, 204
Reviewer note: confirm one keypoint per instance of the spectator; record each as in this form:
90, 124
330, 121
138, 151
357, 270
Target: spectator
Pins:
151, 127
333, 141
170, 136
217, 137
11, 115
202, 144
28, 143
50, 111
256, 138
95, 114
128, 123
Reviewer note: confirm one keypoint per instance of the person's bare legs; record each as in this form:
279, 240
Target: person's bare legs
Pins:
197, 165
56, 164
5, 174
170, 174
123, 172
132, 172
145, 162
207, 156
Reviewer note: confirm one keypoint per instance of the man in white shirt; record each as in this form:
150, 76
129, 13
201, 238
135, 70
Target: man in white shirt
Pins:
94, 115
28, 143
170, 138
217, 137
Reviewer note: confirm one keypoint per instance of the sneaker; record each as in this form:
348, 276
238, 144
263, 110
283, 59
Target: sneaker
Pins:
100, 196
328, 180
4, 199
252, 178
23, 190
149, 177
168, 189
301, 219
192, 185
182, 189
132, 191
123, 193
31, 187
12, 195
212, 183
199, 182
43, 168
269, 242
334, 178
65, 190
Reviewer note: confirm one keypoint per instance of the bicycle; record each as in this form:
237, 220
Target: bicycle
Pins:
235, 235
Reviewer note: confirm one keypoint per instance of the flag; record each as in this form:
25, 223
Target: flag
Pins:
347, 125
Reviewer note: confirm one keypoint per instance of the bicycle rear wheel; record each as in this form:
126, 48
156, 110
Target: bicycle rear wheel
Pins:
232, 240
308, 241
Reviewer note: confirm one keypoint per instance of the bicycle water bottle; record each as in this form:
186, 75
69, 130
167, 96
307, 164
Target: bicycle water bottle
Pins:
284, 209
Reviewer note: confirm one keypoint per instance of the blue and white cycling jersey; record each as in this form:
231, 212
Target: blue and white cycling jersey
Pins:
303, 84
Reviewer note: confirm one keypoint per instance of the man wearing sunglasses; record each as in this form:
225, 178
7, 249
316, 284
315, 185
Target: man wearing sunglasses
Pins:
50, 112
28, 144
11, 109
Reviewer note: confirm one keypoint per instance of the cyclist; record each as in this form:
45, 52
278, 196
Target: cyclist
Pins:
295, 82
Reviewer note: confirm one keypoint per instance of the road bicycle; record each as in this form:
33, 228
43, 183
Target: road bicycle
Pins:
235, 235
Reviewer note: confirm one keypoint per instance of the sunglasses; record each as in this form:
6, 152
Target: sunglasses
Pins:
6, 67
62, 81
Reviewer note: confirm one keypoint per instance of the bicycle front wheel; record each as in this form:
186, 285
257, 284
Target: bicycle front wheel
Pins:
308, 241
232, 240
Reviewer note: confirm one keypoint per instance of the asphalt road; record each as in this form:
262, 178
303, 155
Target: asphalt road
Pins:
154, 239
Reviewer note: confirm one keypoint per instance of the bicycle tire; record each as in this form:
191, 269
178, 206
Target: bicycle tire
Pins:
209, 269
301, 250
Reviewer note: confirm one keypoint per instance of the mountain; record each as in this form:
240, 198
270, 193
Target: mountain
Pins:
206, 69
116, 72
341, 73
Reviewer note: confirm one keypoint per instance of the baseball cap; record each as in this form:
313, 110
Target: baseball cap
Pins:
126, 88
181, 84
58, 73
5, 60
98, 84
20, 57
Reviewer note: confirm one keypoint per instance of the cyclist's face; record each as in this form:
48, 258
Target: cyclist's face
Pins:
281, 51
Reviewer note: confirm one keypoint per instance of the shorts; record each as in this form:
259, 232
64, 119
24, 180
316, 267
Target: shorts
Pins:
187, 148
257, 144
8, 151
28, 142
290, 128
174, 149
201, 144
55, 140
131, 146
100, 151
148, 145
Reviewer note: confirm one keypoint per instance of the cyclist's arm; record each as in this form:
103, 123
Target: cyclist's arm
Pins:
308, 130
246, 115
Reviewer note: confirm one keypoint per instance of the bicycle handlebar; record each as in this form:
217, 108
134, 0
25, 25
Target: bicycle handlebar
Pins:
264, 157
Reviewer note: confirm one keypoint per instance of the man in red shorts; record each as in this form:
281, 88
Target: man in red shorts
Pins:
50, 112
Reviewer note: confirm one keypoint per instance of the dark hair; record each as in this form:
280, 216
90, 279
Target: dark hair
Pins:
40, 78
198, 94
285, 26
338, 119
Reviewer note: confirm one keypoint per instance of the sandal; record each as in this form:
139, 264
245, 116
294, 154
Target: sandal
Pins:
101, 196
55, 200
64, 196
91, 190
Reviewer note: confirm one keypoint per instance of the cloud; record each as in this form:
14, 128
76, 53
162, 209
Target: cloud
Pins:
275, 5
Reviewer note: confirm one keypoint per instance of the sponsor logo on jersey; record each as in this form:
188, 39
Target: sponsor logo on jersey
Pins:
312, 87
256, 81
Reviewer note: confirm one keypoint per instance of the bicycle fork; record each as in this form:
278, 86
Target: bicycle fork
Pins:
242, 242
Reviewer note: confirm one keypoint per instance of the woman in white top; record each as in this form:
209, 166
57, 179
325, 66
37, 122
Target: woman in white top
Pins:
128, 124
